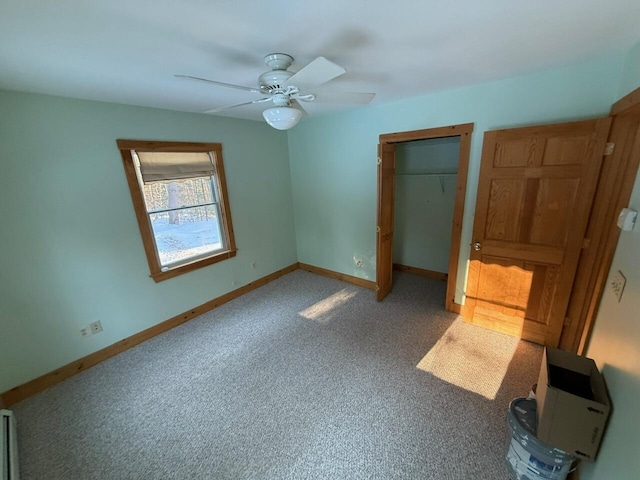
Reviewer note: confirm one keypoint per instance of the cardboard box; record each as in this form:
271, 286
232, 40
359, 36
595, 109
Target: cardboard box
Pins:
573, 405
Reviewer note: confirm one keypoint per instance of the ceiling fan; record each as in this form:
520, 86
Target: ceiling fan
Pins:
286, 89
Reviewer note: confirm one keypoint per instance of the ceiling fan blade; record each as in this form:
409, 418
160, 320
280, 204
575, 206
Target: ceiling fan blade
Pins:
222, 84
316, 73
220, 109
355, 98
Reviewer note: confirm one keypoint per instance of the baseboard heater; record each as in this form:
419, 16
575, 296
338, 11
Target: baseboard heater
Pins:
9, 447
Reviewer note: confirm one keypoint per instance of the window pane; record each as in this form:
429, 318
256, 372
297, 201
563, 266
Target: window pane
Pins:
184, 234
167, 194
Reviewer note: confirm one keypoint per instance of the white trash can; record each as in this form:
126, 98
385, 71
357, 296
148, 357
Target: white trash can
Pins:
527, 457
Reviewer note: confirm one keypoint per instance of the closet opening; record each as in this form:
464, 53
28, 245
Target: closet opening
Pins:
425, 196
422, 178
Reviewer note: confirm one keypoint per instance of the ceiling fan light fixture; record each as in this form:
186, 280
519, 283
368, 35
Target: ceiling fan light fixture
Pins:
282, 118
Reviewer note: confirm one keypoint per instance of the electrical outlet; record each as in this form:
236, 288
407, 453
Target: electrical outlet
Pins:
85, 331
617, 284
96, 327
358, 263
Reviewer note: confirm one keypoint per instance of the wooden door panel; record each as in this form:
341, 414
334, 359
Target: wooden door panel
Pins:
530, 210
552, 214
535, 193
386, 186
510, 325
504, 283
568, 171
524, 251
542, 291
504, 209
565, 150
517, 153
520, 288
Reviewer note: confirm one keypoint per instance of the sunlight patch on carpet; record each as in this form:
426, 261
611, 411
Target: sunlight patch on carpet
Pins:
471, 358
325, 310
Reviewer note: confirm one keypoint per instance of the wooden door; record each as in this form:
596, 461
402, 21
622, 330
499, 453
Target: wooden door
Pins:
384, 243
535, 193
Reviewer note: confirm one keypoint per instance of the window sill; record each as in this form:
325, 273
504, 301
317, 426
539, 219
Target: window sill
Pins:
189, 267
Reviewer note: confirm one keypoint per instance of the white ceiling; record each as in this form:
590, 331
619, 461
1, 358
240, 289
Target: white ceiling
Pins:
127, 51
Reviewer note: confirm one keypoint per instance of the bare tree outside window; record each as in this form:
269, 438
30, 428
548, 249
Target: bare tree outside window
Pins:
173, 188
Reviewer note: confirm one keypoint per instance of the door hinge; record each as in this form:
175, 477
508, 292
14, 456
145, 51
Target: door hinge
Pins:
378, 229
609, 148
379, 160
586, 242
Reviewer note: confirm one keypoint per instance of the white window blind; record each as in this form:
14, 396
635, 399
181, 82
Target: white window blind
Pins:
155, 166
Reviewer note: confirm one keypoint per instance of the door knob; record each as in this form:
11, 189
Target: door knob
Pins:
477, 246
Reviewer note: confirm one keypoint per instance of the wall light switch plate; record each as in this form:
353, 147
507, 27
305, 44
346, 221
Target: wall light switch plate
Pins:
617, 284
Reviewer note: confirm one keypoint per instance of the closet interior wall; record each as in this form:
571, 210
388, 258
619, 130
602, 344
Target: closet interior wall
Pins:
425, 193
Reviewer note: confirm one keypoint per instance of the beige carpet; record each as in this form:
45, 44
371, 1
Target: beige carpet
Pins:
304, 378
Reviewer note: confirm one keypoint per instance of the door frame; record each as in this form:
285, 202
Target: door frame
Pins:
463, 131
613, 192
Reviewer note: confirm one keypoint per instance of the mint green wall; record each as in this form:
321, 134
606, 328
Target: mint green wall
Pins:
424, 203
333, 158
71, 251
615, 346
615, 342
631, 77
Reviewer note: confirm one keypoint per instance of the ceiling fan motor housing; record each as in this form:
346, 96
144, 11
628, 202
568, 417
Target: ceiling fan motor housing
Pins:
274, 79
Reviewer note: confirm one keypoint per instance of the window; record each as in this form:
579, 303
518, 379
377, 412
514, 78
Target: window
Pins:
180, 199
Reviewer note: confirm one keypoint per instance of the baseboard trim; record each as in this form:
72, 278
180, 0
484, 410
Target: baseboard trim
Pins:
360, 282
423, 272
26, 390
